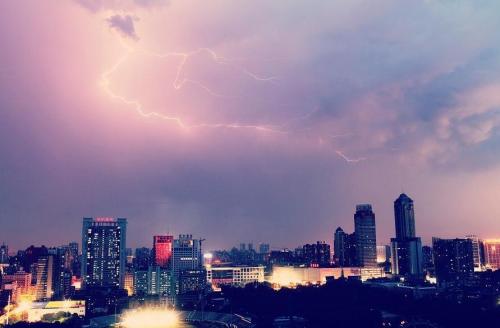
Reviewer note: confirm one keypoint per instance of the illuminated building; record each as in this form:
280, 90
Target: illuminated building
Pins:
128, 284
234, 275
162, 250
141, 282
23, 280
406, 248
103, 252
476, 252
37, 310
454, 261
45, 278
316, 255
365, 235
383, 254
187, 254
291, 276
159, 281
492, 253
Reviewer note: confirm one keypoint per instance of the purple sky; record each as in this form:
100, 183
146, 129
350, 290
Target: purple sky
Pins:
255, 121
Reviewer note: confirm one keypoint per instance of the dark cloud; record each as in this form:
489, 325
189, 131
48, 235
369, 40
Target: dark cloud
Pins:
124, 24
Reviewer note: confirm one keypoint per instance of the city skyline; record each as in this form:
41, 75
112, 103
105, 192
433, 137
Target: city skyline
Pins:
231, 124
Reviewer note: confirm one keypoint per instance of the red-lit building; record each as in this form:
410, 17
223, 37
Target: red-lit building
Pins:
162, 250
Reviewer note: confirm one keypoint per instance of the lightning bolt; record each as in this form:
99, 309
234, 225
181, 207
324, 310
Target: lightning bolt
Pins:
348, 159
179, 82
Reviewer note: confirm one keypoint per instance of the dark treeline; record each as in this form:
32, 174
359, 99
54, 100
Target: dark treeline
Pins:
342, 303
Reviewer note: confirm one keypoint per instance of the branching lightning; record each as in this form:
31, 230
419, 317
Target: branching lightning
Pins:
179, 82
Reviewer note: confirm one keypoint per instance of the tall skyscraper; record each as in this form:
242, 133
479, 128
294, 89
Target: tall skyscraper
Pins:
406, 247
162, 250
103, 252
454, 261
339, 247
365, 234
404, 217
492, 253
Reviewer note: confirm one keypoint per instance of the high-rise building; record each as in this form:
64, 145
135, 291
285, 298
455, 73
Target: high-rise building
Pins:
4, 254
103, 252
142, 258
141, 282
404, 217
365, 234
492, 253
316, 255
187, 254
45, 278
476, 252
159, 281
428, 261
339, 247
406, 247
162, 250
454, 261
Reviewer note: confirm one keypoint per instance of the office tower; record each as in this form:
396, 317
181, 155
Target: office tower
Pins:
339, 247
454, 261
476, 252
250, 247
103, 252
187, 254
264, 248
45, 278
159, 281
75, 258
4, 254
492, 253
316, 255
365, 234
162, 250
243, 247
142, 258
141, 282
427, 260
61, 271
406, 247
404, 217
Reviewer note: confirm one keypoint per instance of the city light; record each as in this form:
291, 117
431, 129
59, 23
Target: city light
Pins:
150, 318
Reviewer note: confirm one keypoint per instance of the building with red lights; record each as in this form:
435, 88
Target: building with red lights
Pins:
162, 250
